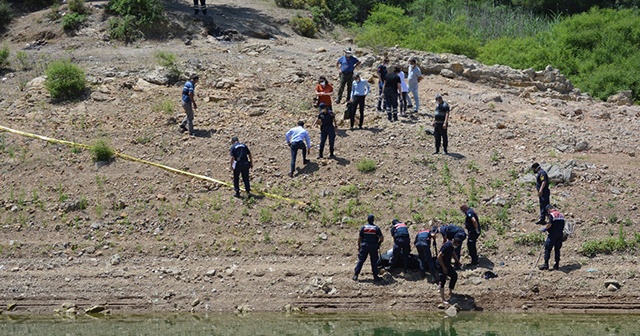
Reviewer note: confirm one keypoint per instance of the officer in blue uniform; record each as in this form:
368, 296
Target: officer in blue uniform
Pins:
542, 189
423, 244
447, 251
401, 244
554, 230
472, 224
240, 163
369, 240
449, 232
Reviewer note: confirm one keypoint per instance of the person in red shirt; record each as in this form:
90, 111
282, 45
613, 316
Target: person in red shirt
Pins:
324, 90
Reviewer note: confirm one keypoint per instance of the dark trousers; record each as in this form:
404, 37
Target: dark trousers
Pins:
471, 246
358, 103
401, 249
372, 252
203, 6
424, 257
553, 242
453, 276
403, 102
242, 168
345, 78
544, 201
330, 133
391, 104
440, 133
294, 153
380, 85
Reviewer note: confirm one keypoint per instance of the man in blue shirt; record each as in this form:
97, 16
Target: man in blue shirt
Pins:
189, 103
447, 251
369, 240
240, 163
554, 230
297, 138
360, 90
472, 224
542, 189
347, 65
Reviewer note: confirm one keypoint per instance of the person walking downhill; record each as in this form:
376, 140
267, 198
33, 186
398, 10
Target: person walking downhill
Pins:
542, 189
347, 65
440, 124
189, 103
369, 240
414, 77
297, 138
360, 90
240, 163
328, 125
554, 230
382, 74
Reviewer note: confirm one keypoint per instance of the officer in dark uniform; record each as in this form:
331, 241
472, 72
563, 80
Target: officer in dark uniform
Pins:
328, 125
447, 251
401, 244
441, 123
369, 240
423, 244
554, 230
472, 224
449, 232
240, 163
542, 188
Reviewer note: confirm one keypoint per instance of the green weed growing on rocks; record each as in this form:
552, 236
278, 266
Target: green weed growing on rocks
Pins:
304, 26
101, 151
366, 165
65, 80
73, 21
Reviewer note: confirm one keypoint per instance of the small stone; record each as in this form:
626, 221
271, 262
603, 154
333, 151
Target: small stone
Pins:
95, 310
14, 208
11, 306
195, 302
613, 282
451, 311
115, 259
476, 280
96, 225
210, 273
323, 236
161, 197
612, 288
229, 271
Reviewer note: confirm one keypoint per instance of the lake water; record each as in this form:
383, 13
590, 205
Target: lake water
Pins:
376, 324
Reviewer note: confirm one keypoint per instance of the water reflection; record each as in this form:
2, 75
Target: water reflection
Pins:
374, 324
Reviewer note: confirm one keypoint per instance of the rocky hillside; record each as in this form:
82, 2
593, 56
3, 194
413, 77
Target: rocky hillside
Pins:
129, 236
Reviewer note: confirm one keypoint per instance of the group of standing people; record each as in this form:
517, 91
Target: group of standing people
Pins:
440, 268
395, 89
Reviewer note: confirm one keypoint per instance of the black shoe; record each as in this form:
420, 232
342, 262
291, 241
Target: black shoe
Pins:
183, 128
204, 12
195, 12
436, 152
319, 157
306, 161
360, 127
379, 109
377, 278
332, 156
543, 267
355, 278
291, 174
249, 195
236, 195
541, 222
445, 152
409, 106
556, 266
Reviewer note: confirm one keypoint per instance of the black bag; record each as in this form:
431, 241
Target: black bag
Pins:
349, 111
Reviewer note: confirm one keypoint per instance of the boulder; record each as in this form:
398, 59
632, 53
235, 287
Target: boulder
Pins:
612, 282
95, 310
621, 98
447, 73
451, 311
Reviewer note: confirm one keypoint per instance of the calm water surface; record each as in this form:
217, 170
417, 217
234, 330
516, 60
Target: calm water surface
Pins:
378, 324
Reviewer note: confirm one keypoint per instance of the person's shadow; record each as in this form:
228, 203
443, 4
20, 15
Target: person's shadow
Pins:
456, 156
570, 268
309, 168
200, 133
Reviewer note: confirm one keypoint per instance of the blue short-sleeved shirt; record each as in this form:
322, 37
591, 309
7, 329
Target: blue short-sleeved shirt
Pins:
468, 223
186, 89
541, 177
240, 152
447, 251
347, 64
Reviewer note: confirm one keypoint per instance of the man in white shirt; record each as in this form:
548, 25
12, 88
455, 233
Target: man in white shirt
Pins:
415, 76
297, 138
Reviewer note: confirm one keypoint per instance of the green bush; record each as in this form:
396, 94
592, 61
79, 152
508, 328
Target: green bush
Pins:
73, 21
4, 56
366, 165
78, 6
124, 29
608, 245
146, 12
65, 80
169, 61
299, 4
531, 239
304, 26
101, 151
6, 14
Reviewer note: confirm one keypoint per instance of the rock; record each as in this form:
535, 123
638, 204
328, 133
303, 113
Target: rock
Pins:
500, 125
451, 311
11, 306
447, 73
509, 135
95, 310
475, 280
622, 98
211, 273
90, 249
71, 311
96, 225
323, 236
582, 146
612, 288
195, 302
613, 282
229, 271
441, 306
491, 97
161, 197
14, 208
115, 259
321, 50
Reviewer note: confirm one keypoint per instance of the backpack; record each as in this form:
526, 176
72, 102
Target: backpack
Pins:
567, 231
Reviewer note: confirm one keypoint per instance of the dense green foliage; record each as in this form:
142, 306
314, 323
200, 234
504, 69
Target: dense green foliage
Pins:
73, 21
78, 6
101, 151
65, 80
6, 14
4, 56
303, 26
146, 12
124, 28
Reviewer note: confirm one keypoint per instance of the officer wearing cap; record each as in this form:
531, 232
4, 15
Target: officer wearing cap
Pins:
542, 189
240, 163
328, 125
447, 251
472, 224
401, 244
369, 240
423, 242
554, 230
440, 124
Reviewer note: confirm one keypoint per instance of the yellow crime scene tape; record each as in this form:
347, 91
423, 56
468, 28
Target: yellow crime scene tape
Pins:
154, 164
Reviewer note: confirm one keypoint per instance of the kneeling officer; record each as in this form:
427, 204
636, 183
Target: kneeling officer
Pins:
401, 244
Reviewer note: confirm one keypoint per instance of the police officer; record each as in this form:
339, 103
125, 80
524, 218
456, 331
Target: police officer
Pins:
472, 224
554, 230
449, 232
369, 240
441, 123
447, 251
423, 243
401, 244
542, 188
240, 163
